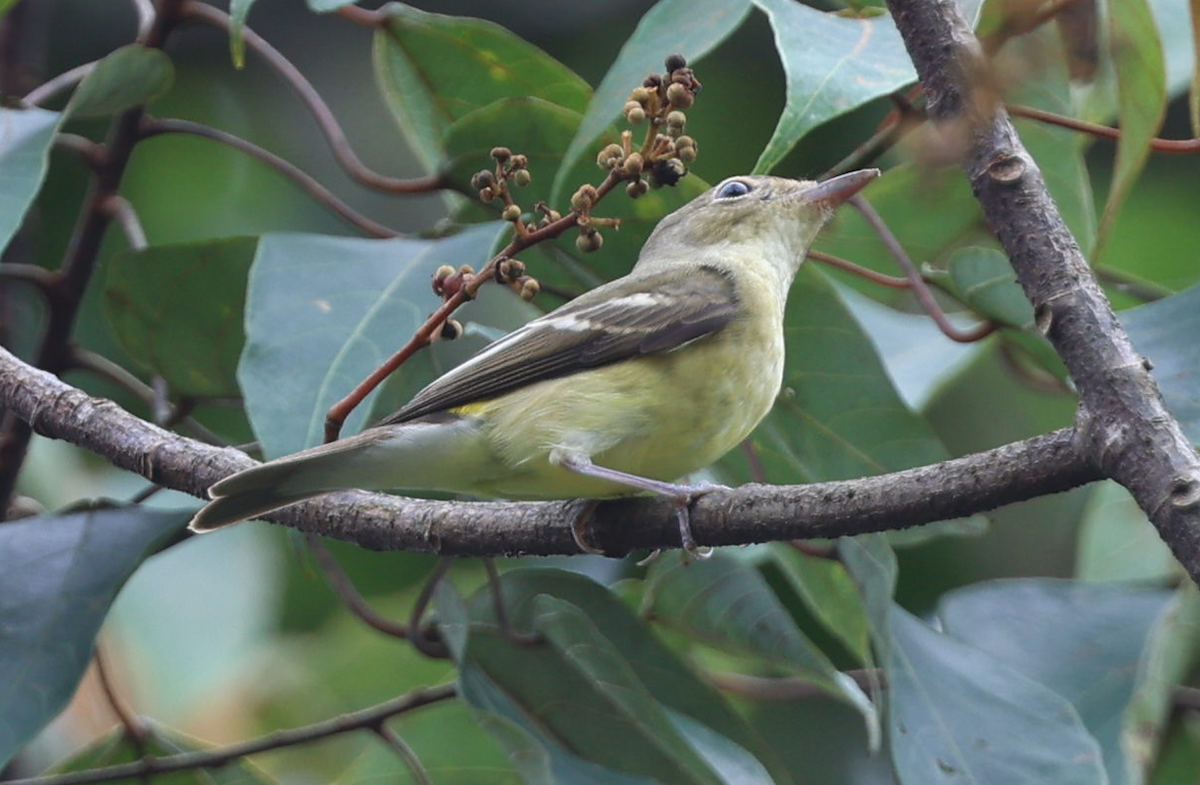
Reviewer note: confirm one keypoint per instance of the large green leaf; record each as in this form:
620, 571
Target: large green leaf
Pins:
323, 312
1137, 57
1090, 641
1117, 542
177, 309
60, 574
956, 714
1168, 333
691, 28
435, 69
670, 679
726, 603
126, 77
25, 139
830, 594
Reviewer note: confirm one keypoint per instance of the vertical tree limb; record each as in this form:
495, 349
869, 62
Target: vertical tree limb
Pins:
1123, 427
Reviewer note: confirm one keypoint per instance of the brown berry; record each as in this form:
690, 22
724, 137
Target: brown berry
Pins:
519, 162
522, 177
501, 154
675, 62
511, 213
636, 188
609, 156
451, 329
633, 164
652, 81
486, 195
676, 119
482, 179
640, 94
634, 113
529, 289
669, 171
686, 154
680, 96
587, 243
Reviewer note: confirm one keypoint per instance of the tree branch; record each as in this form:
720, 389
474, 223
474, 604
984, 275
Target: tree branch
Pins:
751, 513
371, 717
1123, 426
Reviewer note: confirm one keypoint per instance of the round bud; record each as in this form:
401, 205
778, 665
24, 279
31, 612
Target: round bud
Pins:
529, 289
586, 243
680, 96
639, 94
676, 119
482, 179
675, 62
634, 112
609, 156
684, 141
522, 177
516, 268
636, 188
580, 202
511, 213
486, 195
686, 154
503, 270
451, 329
501, 154
633, 164
553, 215
520, 161
652, 81
669, 171
439, 278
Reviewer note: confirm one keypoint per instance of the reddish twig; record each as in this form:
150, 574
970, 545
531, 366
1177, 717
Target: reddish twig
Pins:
430, 647
857, 269
121, 210
134, 730
920, 288
1178, 146
52, 87
363, 16
320, 111
309, 184
786, 688
425, 333
406, 753
40, 277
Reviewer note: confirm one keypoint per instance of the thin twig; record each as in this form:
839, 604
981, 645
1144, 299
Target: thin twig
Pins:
425, 333
52, 87
91, 152
428, 646
1178, 146
363, 16
40, 277
920, 288
309, 184
145, 15
904, 118
348, 592
134, 730
371, 717
326, 119
406, 753
121, 210
1145, 291
84, 359
857, 269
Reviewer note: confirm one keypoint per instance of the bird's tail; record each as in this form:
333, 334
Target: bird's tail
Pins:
419, 455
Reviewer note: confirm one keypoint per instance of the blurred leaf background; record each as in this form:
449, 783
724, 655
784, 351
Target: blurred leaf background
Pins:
234, 635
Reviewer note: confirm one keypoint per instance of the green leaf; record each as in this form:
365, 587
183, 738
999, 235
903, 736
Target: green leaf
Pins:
833, 65
733, 764
177, 309
127, 77
726, 603
830, 594
25, 139
1168, 333
325, 6
5, 5
1090, 641
435, 69
956, 714
115, 748
238, 11
1137, 57
323, 312
984, 280
60, 574
1116, 542
691, 28
670, 679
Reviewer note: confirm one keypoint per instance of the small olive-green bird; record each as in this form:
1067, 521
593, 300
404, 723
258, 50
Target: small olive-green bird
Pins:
623, 390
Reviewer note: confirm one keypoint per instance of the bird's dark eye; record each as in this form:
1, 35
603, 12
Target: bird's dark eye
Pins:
733, 188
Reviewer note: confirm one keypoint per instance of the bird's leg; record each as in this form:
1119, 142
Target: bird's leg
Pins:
682, 495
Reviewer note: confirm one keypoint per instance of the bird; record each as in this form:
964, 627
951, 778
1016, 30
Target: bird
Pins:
622, 391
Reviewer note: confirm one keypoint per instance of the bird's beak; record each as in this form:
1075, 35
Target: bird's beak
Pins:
838, 189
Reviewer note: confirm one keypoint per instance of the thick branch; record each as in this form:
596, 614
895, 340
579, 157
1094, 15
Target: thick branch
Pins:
1123, 426
752, 513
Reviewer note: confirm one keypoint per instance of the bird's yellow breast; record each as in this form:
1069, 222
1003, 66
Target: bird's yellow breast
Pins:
661, 416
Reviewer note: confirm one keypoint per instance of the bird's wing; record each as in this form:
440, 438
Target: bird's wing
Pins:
629, 317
